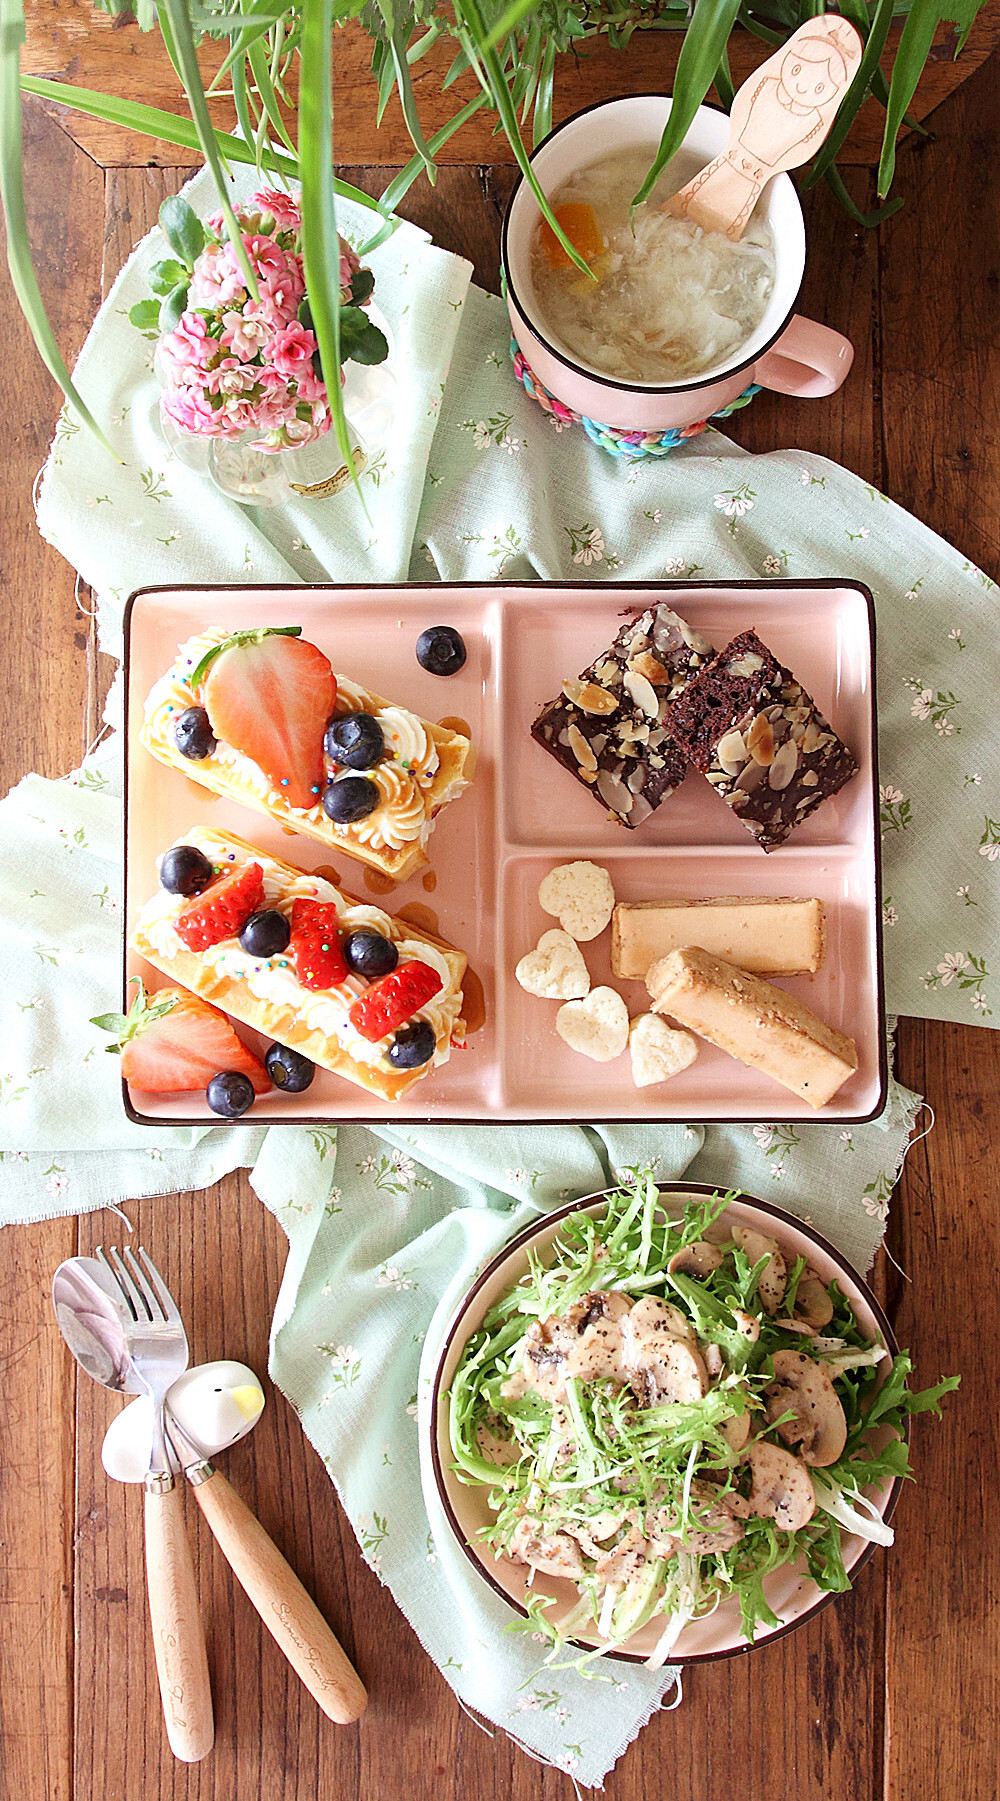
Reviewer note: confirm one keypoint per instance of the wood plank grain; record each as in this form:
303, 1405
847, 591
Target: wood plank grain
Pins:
68, 41
940, 389
45, 658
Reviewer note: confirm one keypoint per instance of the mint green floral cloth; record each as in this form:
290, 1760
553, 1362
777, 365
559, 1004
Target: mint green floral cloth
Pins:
387, 1228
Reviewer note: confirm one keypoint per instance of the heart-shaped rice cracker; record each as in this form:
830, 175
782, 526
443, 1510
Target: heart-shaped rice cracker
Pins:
555, 969
658, 1051
597, 1027
581, 897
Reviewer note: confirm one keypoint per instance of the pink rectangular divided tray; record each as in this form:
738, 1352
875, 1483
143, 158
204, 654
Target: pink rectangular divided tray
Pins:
523, 814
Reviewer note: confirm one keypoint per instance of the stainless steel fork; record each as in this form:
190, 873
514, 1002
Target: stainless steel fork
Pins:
158, 1347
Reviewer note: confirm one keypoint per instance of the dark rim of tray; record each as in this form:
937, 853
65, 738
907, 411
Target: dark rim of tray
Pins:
606, 381
253, 1117
531, 1231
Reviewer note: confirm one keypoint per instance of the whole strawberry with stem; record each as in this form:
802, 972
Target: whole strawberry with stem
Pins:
269, 694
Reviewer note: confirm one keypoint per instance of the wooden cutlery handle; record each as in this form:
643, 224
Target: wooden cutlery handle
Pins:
178, 1634
289, 1613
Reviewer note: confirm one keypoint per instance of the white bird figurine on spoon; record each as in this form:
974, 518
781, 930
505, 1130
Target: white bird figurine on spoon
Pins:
779, 119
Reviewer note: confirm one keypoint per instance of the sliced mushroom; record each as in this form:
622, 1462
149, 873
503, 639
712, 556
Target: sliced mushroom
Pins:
774, 1275
666, 1370
736, 1430
651, 1318
746, 1324
714, 1360
587, 1342
624, 1560
554, 1555
781, 1488
794, 1325
805, 1387
812, 1303
698, 1259
495, 1445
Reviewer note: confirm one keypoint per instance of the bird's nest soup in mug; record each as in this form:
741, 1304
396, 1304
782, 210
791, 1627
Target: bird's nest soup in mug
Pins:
665, 299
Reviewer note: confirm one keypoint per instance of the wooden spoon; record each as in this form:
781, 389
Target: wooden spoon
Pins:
779, 119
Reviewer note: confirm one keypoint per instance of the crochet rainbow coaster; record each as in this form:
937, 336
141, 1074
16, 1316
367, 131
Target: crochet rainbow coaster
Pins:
629, 445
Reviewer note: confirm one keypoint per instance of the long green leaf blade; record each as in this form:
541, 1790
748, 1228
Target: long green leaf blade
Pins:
180, 27
22, 274
151, 122
914, 48
701, 53
320, 245
878, 31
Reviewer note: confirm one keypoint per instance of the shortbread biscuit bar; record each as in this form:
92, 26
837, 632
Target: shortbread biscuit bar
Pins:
760, 1025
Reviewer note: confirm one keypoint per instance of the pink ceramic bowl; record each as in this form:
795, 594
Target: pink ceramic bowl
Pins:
792, 1594
786, 352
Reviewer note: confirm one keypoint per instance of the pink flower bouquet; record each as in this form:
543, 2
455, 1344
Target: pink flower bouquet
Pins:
231, 363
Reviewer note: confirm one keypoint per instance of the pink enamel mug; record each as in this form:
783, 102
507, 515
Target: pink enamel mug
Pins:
785, 352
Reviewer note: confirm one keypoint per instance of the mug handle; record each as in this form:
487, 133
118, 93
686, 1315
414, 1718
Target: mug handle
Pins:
808, 360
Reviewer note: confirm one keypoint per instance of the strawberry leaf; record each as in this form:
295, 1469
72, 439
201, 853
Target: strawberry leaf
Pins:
141, 1014
233, 643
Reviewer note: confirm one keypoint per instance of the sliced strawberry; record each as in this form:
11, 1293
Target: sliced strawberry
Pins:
270, 695
315, 947
393, 999
222, 909
173, 1042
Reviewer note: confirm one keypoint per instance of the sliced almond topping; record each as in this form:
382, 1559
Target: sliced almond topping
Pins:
642, 692
760, 740
649, 666
731, 752
748, 664
783, 768
581, 749
589, 697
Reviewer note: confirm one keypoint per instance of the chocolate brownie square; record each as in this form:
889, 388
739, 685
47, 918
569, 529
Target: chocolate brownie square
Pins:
606, 727
760, 739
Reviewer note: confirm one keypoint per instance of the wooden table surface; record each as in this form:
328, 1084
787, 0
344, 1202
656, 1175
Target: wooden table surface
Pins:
892, 1692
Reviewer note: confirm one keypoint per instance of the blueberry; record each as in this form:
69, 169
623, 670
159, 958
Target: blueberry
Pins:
412, 1045
441, 650
288, 1069
184, 870
193, 734
265, 934
355, 740
350, 797
369, 954
230, 1094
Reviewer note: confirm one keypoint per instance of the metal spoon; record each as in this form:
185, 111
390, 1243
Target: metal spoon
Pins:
96, 1325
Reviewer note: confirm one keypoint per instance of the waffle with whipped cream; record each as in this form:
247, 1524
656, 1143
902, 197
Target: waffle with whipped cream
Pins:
425, 767
265, 992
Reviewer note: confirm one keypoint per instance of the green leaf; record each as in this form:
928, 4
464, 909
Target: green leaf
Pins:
855, 95
141, 1014
835, 183
234, 642
22, 273
145, 315
183, 231
176, 25
172, 307
701, 53
320, 245
362, 286
914, 47
360, 340
165, 276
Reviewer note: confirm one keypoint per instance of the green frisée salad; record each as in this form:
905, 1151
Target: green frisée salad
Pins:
669, 1410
